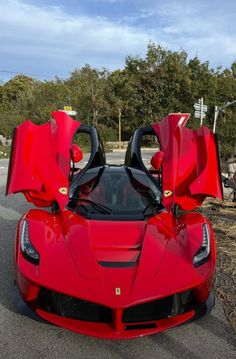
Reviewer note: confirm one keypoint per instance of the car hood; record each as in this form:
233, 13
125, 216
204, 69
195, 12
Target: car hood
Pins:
117, 263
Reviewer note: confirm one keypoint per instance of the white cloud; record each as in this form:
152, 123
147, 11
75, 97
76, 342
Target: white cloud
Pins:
110, 1
60, 40
47, 40
207, 28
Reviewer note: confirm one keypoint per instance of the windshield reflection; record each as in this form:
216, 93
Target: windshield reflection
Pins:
115, 191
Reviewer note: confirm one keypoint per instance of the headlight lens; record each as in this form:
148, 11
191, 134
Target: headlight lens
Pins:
28, 250
203, 253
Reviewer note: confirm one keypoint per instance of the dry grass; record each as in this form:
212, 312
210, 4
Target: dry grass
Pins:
223, 218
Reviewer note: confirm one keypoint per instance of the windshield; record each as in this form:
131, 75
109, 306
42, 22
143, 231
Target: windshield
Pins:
115, 191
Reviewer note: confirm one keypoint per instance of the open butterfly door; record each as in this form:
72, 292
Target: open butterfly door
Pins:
40, 160
190, 167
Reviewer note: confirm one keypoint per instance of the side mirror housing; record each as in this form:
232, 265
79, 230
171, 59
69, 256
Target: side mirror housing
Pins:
76, 153
157, 159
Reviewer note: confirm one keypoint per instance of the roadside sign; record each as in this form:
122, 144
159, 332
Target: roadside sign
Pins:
71, 113
67, 108
197, 114
200, 110
197, 107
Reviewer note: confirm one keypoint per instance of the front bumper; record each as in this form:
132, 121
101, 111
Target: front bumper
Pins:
116, 328
23, 307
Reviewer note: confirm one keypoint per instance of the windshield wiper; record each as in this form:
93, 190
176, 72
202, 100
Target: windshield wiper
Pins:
100, 207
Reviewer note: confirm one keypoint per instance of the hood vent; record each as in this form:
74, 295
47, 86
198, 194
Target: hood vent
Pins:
117, 264
118, 257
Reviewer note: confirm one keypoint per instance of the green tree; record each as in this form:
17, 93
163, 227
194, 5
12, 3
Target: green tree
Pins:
146, 90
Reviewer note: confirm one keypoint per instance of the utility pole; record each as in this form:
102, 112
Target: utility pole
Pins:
218, 110
119, 117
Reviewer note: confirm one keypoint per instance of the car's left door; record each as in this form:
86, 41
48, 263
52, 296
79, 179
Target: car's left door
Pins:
40, 160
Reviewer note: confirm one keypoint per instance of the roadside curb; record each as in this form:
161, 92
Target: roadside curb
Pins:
121, 150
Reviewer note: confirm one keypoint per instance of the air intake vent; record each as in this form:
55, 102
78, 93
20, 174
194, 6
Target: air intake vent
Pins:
74, 308
117, 264
145, 312
140, 326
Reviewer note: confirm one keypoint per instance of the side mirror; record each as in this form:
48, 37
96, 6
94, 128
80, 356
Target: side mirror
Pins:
76, 153
157, 159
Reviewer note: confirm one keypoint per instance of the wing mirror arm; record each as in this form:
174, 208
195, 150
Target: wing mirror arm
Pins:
175, 210
55, 207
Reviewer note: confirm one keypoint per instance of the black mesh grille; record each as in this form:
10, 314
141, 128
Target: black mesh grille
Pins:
145, 312
74, 308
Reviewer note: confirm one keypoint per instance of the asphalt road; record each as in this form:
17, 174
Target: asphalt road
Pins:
21, 337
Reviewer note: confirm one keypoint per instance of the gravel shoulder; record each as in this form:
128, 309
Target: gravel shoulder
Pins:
223, 217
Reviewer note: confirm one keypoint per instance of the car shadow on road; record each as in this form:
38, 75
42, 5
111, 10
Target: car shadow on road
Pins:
11, 209
6, 265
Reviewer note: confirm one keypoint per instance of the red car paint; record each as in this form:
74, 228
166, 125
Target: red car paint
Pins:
76, 153
40, 160
157, 159
165, 247
190, 168
72, 248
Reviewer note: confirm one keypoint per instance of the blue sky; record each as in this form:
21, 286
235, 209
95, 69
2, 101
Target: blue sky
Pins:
49, 38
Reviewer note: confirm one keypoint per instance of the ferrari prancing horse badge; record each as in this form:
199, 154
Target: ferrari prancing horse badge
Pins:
168, 193
118, 291
63, 190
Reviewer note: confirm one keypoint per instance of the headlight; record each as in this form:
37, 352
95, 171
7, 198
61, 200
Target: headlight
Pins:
203, 253
28, 250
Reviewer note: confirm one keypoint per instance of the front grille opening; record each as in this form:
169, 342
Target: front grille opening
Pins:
140, 326
136, 317
160, 309
146, 312
73, 308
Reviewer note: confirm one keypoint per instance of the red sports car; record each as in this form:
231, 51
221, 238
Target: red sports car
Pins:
121, 254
